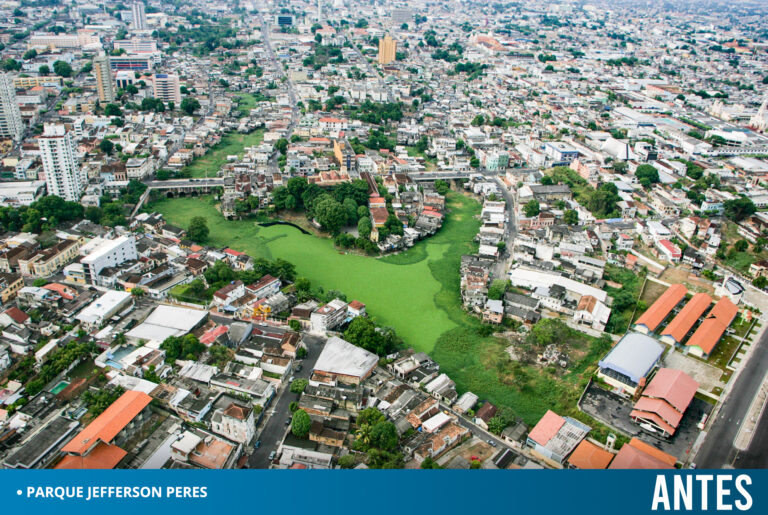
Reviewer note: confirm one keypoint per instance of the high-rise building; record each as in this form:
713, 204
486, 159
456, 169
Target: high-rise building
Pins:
139, 16
104, 83
166, 87
387, 50
62, 173
11, 125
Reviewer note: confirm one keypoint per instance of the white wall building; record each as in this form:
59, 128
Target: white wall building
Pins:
11, 125
62, 173
109, 253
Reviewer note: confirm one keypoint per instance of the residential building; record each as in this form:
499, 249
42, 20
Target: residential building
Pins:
63, 175
664, 401
166, 87
105, 84
387, 50
11, 125
139, 16
108, 254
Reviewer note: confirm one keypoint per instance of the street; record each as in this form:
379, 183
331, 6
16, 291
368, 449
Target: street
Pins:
274, 427
717, 450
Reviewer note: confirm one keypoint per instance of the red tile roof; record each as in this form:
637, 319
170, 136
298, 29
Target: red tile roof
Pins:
688, 316
674, 386
547, 427
109, 424
660, 309
16, 315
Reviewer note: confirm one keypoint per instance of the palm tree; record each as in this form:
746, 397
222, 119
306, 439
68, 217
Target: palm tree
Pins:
364, 434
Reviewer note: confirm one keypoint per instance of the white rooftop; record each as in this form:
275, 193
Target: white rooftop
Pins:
341, 357
167, 321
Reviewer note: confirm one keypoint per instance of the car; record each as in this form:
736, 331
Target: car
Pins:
492, 443
257, 444
272, 455
287, 421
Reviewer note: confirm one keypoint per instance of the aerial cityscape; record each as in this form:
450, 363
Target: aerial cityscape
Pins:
379, 234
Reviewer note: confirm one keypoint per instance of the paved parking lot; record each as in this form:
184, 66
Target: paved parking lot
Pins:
613, 410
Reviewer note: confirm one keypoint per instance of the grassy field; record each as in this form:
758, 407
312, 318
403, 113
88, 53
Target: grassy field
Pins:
233, 143
404, 291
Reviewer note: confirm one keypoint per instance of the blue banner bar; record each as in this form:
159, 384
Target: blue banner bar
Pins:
386, 492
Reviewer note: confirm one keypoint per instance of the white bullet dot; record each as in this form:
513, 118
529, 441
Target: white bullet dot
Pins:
18, 492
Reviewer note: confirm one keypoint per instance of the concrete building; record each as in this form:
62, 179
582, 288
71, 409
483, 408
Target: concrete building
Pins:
62, 173
387, 50
166, 87
104, 83
109, 253
328, 317
136, 45
105, 307
139, 16
340, 361
11, 125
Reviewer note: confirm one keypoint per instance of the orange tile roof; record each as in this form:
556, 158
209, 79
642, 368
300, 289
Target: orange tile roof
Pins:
103, 456
712, 328
683, 322
109, 424
659, 310
640, 455
590, 456
547, 427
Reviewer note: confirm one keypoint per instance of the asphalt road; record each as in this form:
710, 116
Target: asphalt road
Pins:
273, 429
717, 450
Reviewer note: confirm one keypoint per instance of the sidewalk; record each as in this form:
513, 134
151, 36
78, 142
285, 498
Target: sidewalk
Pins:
751, 419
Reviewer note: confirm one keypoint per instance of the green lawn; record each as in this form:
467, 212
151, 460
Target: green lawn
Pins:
407, 296
233, 143
248, 101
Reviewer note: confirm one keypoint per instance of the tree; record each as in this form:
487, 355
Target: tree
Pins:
647, 175
106, 146
741, 245
300, 424
738, 209
112, 110
571, 217
62, 69
138, 292
363, 332
760, 282
330, 214
298, 385
370, 416
496, 425
295, 325
384, 436
189, 105
30, 54
497, 289
347, 461
441, 186
44, 70
182, 347
198, 229
281, 145
350, 206
364, 227
532, 208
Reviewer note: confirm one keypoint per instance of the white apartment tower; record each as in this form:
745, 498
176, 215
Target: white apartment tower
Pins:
62, 173
139, 16
104, 83
167, 88
11, 125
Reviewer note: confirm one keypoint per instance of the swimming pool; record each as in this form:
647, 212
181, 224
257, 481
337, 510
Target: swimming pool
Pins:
59, 387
